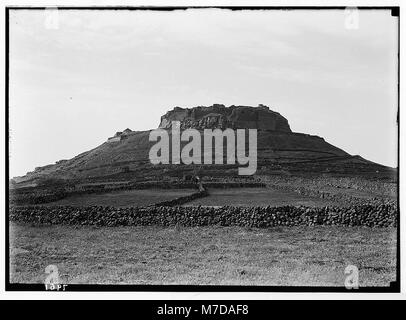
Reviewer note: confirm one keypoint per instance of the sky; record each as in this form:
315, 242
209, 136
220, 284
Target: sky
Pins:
78, 76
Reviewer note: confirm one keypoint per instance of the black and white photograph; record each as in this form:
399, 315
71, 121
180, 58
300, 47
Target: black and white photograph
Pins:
249, 149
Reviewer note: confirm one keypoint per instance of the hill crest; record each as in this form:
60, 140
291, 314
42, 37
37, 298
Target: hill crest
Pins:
218, 116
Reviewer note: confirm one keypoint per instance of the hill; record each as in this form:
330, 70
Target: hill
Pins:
124, 156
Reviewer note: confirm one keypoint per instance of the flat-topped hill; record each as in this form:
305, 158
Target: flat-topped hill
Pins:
124, 156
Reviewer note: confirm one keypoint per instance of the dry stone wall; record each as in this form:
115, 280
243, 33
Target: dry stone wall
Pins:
258, 217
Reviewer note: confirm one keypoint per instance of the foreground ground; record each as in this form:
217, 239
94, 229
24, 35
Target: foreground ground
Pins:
295, 256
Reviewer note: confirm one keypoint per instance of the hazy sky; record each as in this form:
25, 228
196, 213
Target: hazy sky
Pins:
103, 71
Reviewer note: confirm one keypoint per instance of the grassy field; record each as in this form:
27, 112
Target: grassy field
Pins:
309, 256
257, 197
217, 197
125, 198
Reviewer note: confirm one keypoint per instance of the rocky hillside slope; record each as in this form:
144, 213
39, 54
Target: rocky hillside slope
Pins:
280, 151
